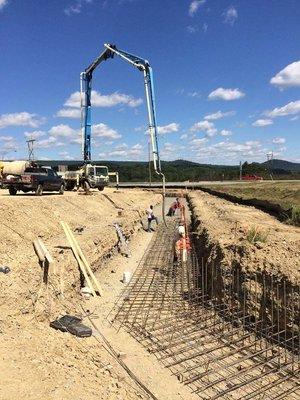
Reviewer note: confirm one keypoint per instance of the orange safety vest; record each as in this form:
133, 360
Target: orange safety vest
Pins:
183, 244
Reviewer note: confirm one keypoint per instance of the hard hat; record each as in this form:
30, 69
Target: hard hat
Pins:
181, 230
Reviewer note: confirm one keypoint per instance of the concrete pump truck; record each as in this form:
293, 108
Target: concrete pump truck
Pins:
98, 176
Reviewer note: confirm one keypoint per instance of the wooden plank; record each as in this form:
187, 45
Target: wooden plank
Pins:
45, 251
39, 251
87, 265
80, 262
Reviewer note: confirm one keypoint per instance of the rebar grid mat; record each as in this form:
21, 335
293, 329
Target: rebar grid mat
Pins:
224, 332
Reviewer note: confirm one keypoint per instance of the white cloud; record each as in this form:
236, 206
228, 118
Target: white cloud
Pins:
20, 119
122, 146
219, 115
192, 29
171, 150
278, 140
291, 108
262, 122
141, 128
194, 94
34, 134
62, 130
173, 127
99, 100
226, 94
76, 7
287, 77
69, 113
135, 150
204, 126
184, 136
124, 151
51, 141
3, 3
7, 138
197, 142
232, 151
117, 153
9, 145
194, 6
77, 140
102, 130
230, 15
225, 132
205, 27
253, 143
65, 155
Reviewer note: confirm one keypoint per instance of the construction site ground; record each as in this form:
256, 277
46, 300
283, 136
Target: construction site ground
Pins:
287, 194
228, 225
39, 362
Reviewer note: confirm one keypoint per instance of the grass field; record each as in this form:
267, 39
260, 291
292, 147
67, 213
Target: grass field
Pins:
286, 194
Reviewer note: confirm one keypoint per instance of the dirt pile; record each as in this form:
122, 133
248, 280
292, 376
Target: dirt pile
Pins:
230, 226
32, 353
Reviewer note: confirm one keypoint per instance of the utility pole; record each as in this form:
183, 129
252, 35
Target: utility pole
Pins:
241, 170
30, 145
270, 163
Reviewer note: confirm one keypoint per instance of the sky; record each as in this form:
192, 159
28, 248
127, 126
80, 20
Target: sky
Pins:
226, 76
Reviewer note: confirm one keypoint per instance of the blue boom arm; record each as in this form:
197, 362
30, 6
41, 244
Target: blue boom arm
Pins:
86, 90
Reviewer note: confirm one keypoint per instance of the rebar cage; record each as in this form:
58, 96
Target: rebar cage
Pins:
225, 332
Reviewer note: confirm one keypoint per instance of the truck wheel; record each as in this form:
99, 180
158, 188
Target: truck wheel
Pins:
12, 191
39, 190
101, 188
62, 189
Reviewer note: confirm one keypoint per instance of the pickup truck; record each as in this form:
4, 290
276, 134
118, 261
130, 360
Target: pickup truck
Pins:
34, 179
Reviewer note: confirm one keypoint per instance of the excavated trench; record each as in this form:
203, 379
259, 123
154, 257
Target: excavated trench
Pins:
223, 330
270, 302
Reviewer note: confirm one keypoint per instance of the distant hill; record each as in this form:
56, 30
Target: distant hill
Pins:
284, 165
183, 170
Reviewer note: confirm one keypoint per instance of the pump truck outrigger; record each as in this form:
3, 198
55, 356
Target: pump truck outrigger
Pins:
86, 92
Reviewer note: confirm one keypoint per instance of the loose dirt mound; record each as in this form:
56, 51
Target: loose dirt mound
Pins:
230, 226
36, 361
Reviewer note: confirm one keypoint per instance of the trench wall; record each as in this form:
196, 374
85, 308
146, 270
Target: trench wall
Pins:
265, 301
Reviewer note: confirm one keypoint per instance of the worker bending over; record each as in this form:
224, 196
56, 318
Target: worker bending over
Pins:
151, 217
173, 208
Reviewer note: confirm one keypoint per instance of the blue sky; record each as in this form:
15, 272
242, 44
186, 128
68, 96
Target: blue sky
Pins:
227, 78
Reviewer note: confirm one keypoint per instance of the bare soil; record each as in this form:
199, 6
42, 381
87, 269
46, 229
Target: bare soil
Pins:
229, 224
269, 264
37, 361
286, 194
